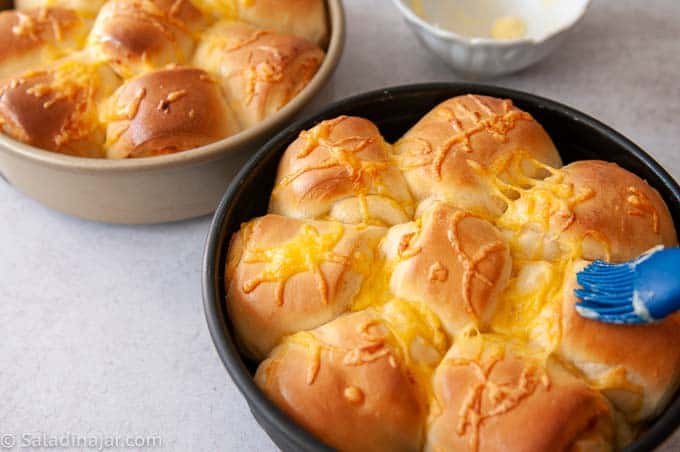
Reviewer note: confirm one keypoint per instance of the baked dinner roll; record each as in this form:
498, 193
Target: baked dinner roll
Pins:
472, 151
30, 38
451, 261
286, 275
136, 36
304, 18
636, 366
166, 111
347, 383
590, 209
86, 8
56, 108
341, 169
495, 395
261, 71
527, 309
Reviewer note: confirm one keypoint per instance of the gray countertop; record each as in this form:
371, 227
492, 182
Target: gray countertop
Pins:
101, 327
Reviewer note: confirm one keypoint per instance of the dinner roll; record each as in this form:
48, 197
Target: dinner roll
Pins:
636, 366
286, 275
341, 169
474, 152
261, 71
590, 209
166, 111
87, 8
528, 307
30, 38
304, 18
347, 383
495, 395
56, 108
453, 262
136, 36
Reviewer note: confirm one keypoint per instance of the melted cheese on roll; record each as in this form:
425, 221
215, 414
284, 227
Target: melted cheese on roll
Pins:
451, 261
461, 148
260, 70
57, 108
285, 275
590, 209
496, 394
31, 38
342, 169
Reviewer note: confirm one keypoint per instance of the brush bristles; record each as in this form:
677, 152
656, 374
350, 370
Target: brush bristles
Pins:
607, 292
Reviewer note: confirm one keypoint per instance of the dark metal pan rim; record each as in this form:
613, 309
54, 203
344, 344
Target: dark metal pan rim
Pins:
281, 428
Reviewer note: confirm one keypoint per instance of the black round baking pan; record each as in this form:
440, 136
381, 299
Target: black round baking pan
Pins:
394, 111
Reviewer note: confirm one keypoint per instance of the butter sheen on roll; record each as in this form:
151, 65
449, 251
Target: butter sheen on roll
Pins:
136, 36
166, 111
31, 38
260, 70
347, 383
57, 107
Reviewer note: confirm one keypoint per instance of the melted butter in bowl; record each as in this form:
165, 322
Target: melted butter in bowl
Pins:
489, 38
497, 19
508, 27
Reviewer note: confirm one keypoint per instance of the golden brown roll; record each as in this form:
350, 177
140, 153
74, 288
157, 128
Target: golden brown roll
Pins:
136, 36
451, 261
469, 148
590, 209
286, 275
31, 38
347, 383
261, 71
57, 108
87, 8
342, 169
636, 366
304, 18
166, 111
493, 395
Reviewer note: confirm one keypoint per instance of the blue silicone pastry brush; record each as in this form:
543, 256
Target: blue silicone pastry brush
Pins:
643, 290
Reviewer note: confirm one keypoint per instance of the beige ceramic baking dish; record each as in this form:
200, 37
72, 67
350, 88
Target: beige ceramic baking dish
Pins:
156, 189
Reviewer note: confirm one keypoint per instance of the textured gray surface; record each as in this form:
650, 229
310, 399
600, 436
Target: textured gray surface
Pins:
101, 327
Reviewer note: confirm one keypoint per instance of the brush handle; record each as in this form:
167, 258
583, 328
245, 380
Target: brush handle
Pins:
657, 282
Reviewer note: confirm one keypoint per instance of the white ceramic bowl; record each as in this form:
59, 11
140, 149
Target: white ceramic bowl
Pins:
457, 31
154, 189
